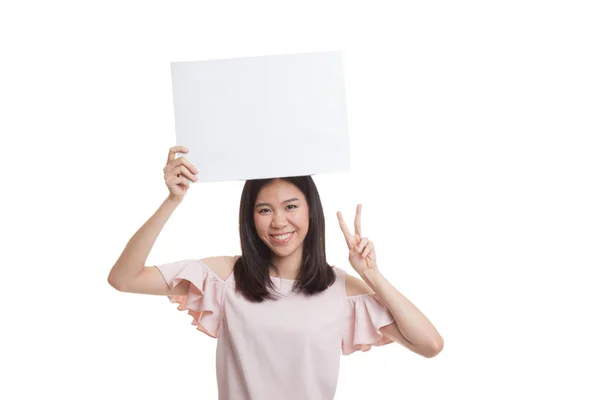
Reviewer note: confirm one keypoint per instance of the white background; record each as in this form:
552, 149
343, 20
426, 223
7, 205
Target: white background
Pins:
473, 130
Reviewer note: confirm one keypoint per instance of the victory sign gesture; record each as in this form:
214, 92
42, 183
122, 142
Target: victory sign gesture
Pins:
362, 251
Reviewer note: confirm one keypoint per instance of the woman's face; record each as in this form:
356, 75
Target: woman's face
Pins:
281, 209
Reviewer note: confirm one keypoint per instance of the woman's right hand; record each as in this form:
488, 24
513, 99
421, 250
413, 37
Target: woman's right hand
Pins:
177, 172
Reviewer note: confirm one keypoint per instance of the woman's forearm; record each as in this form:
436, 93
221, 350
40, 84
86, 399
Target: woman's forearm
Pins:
410, 321
133, 259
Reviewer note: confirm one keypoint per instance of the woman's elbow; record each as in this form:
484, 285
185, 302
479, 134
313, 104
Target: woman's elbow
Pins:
115, 283
436, 348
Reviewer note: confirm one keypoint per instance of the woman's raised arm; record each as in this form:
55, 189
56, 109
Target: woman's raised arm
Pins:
129, 273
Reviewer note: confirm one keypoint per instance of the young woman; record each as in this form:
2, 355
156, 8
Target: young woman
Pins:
281, 314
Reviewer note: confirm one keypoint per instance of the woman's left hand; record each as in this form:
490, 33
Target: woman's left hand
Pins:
362, 250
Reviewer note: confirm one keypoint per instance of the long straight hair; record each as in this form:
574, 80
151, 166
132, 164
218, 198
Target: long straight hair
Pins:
251, 270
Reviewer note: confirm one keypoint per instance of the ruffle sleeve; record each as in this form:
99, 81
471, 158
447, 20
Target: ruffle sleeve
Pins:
364, 319
204, 298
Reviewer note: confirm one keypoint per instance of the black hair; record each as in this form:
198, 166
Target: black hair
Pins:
251, 270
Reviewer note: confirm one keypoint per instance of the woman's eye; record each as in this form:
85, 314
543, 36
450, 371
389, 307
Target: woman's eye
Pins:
266, 209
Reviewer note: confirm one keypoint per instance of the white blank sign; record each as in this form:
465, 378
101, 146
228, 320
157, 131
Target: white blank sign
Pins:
262, 117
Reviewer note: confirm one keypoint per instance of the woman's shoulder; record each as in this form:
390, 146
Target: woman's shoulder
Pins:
222, 266
356, 286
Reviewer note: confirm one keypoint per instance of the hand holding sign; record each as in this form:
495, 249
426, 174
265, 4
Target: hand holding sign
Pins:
175, 168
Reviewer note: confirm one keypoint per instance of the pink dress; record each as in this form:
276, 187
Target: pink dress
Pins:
285, 349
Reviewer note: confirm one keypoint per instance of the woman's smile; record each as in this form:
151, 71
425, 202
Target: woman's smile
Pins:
281, 239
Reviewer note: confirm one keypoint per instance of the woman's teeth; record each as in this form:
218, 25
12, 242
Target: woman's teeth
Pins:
282, 238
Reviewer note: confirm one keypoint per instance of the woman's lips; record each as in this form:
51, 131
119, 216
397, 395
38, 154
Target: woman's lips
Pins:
277, 241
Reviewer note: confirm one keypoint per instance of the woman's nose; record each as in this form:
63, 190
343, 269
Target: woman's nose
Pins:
278, 220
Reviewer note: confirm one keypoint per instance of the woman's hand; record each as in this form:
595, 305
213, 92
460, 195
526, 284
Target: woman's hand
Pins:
177, 172
362, 250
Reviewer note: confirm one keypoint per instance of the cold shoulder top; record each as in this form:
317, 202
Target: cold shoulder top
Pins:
288, 348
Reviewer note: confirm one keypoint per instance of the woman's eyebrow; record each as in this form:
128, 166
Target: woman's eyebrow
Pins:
267, 204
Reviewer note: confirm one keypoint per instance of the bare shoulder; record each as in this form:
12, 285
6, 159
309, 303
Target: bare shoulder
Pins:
221, 265
356, 286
